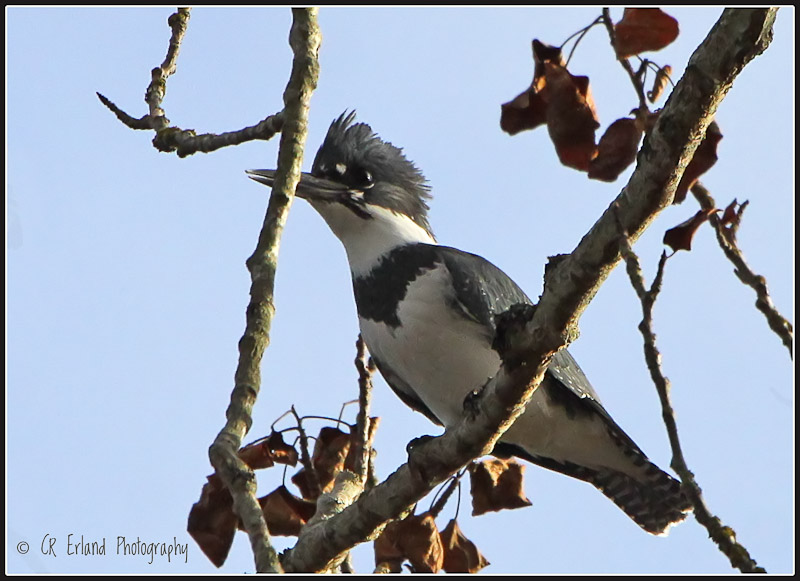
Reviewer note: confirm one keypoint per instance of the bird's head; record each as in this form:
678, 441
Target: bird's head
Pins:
371, 196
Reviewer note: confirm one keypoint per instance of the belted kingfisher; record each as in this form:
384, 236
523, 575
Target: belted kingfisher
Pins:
427, 315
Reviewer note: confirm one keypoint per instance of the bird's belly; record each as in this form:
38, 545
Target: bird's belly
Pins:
439, 353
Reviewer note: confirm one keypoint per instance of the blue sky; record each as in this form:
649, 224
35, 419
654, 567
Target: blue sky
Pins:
126, 284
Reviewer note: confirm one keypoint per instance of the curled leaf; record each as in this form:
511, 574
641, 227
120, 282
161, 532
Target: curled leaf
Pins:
284, 513
705, 156
616, 151
729, 215
660, 83
680, 237
528, 109
389, 555
282, 453
212, 522
330, 451
642, 30
731, 218
460, 554
496, 484
571, 116
416, 539
523, 112
266, 452
301, 480
257, 455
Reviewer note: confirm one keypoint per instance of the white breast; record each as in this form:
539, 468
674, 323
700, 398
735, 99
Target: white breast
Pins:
441, 354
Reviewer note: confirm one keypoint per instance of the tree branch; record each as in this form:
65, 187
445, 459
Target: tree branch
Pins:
304, 39
312, 478
722, 535
758, 283
364, 430
184, 141
737, 38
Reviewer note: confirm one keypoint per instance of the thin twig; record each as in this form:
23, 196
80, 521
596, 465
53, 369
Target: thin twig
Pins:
722, 535
366, 368
440, 502
157, 89
304, 39
315, 489
635, 79
580, 34
758, 283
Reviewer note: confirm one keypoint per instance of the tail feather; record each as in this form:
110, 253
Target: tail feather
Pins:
655, 504
649, 496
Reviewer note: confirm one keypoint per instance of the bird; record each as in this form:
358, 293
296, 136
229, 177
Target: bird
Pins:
428, 316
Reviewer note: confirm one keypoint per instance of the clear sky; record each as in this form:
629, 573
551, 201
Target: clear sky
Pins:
126, 284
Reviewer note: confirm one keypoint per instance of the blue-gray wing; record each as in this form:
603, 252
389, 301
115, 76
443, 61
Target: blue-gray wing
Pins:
483, 291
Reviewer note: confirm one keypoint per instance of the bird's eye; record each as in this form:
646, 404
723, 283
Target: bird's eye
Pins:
362, 177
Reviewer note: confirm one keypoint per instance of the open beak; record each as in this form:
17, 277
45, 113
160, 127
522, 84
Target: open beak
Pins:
309, 188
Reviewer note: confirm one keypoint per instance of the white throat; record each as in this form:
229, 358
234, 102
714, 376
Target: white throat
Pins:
366, 240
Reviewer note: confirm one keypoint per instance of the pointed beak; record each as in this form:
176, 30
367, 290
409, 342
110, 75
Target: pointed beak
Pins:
309, 188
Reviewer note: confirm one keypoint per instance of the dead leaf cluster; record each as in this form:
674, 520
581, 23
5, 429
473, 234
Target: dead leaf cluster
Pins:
212, 522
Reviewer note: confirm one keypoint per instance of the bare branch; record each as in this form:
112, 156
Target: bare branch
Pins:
363, 441
132, 122
315, 489
184, 142
304, 39
758, 283
635, 78
738, 37
157, 89
722, 535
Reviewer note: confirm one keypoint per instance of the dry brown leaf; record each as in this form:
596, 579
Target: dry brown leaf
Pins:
420, 541
212, 522
266, 452
460, 554
328, 459
616, 151
282, 453
300, 479
528, 109
660, 83
730, 216
642, 30
571, 117
285, 513
525, 111
705, 156
257, 455
680, 237
416, 539
330, 451
496, 484
389, 555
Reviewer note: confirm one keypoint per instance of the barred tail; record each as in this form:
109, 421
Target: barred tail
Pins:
647, 494
655, 502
